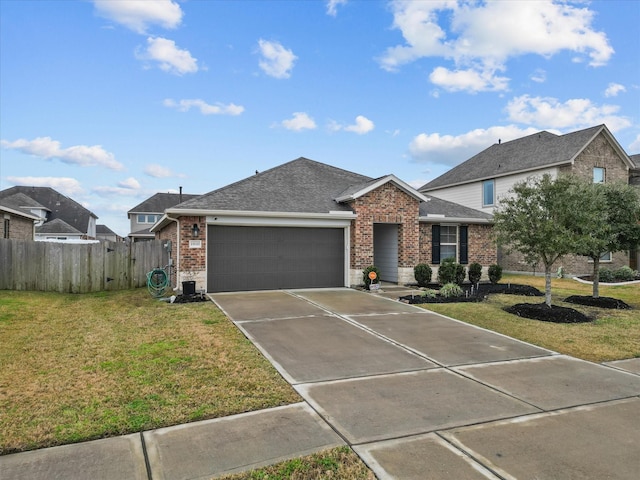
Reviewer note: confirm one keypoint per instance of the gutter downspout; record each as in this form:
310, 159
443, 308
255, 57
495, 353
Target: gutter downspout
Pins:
177, 257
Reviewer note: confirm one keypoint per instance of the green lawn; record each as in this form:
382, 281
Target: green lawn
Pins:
81, 367
614, 335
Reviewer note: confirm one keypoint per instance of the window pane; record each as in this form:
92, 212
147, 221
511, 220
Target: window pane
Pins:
142, 218
448, 234
598, 175
447, 251
605, 257
151, 218
487, 193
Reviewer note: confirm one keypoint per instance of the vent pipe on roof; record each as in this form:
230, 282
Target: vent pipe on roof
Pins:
180, 197
499, 141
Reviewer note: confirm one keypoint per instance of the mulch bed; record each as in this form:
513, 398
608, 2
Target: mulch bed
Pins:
477, 295
541, 311
600, 302
196, 297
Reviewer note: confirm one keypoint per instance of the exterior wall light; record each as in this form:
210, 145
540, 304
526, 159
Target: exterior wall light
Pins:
195, 231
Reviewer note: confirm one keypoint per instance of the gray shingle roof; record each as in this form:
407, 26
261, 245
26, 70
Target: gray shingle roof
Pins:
301, 185
59, 205
526, 153
159, 202
437, 206
104, 230
20, 201
58, 226
636, 160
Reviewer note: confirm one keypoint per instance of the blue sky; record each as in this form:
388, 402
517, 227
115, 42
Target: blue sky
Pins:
111, 101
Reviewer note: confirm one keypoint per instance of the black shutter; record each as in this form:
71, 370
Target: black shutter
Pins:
435, 244
464, 245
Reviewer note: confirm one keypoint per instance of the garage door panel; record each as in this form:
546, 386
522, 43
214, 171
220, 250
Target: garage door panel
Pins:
265, 258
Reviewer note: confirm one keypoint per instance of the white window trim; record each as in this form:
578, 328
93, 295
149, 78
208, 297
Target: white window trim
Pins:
493, 199
456, 244
604, 174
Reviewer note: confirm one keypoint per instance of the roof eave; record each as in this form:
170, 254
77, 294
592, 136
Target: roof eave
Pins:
444, 218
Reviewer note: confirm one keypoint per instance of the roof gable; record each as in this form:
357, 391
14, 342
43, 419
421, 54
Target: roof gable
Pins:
59, 205
57, 226
301, 185
540, 150
358, 190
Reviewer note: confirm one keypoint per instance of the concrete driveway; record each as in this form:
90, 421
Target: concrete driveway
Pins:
418, 395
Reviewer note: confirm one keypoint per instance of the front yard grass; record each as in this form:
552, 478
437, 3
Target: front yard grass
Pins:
81, 367
614, 335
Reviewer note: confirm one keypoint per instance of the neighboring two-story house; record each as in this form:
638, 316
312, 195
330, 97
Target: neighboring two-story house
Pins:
60, 217
144, 215
592, 153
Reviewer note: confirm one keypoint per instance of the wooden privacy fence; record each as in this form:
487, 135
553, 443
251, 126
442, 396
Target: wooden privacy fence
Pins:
78, 268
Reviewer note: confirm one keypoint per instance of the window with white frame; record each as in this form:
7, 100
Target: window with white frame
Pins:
598, 175
488, 193
448, 241
147, 218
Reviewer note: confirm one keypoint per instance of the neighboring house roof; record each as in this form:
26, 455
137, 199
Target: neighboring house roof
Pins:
159, 202
533, 152
145, 232
104, 230
304, 186
57, 227
437, 208
21, 205
59, 206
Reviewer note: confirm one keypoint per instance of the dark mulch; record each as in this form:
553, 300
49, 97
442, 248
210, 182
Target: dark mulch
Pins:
472, 294
196, 297
600, 302
541, 311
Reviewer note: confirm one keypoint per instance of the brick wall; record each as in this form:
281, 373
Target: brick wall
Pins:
572, 265
20, 228
599, 153
482, 248
386, 204
191, 261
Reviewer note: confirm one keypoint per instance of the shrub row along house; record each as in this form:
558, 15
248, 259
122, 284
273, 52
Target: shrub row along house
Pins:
307, 224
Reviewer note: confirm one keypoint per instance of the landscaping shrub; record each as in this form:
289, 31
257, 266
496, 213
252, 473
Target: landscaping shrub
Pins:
365, 275
451, 290
624, 274
475, 273
450, 272
495, 273
422, 272
430, 293
606, 275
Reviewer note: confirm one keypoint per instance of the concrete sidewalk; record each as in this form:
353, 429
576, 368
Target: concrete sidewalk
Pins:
417, 395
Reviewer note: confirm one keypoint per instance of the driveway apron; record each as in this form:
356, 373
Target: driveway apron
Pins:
419, 395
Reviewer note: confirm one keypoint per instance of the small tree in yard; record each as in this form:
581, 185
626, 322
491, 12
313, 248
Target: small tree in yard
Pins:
607, 221
534, 219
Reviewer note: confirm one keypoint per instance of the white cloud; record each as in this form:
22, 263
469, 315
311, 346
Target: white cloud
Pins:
614, 89
65, 185
130, 183
332, 6
548, 112
158, 171
83, 155
539, 76
361, 126
468, 80
482, 36
453, 149
276, 60
205, 108
635, 145
121, 191
300, 121
170, 58
138, 15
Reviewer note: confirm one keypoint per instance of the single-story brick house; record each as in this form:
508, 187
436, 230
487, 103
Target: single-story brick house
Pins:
306, 224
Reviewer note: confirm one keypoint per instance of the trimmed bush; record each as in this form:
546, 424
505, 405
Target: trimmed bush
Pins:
422, 272
475, 273
450, 272
451, 290
430, 293
495, 273
365, 275
606, 275
624, 274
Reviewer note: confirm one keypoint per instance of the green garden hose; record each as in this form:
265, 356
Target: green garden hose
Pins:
157, 282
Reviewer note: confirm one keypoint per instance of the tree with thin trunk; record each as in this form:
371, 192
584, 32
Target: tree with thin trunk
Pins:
534, 218
608, 221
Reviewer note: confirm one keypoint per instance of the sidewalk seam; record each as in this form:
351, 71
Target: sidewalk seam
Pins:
147, 464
